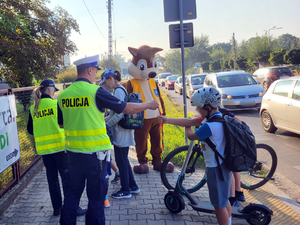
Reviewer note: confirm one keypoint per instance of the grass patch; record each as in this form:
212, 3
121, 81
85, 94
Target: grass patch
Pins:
173, 135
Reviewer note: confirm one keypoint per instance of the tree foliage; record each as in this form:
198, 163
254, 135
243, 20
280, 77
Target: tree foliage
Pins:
292, 56
200, 52
33, 40
104, 64
218, 54
259, 48
241, 62
173, 61
215, 65
225, 64
205, 66
277, 57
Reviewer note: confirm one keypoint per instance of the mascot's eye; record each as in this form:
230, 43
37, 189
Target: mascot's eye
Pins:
155, 63
142, 65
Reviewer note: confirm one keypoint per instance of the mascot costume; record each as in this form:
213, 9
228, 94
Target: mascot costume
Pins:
143, 69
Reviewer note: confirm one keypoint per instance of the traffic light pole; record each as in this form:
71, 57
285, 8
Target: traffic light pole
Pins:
182, 61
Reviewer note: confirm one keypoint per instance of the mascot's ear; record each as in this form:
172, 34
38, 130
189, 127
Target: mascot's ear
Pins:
133, 51
156, 50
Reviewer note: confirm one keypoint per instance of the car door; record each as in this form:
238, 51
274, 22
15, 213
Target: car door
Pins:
278, 102
293, 108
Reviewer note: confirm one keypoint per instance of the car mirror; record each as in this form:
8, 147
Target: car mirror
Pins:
258, 82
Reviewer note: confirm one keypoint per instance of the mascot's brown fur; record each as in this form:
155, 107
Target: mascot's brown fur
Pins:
143, 69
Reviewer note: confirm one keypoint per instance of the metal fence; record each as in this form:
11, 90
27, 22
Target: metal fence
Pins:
24, 99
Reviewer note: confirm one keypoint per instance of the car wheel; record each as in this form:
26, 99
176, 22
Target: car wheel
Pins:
175, 90
181, 92
265, 86
167, 87
267, 122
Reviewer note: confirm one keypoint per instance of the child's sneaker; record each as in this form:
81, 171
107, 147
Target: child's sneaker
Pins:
236, 204
121, 194
106, 202
116, 179
135, 190
240, 196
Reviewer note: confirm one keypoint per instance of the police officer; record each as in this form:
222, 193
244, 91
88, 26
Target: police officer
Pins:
49, 140
81, 113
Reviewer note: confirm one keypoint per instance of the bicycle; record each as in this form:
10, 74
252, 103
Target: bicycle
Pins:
261, 172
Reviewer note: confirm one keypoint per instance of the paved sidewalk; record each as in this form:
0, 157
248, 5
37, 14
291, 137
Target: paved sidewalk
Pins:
33, 206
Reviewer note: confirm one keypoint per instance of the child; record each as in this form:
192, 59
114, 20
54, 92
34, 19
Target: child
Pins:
207, 101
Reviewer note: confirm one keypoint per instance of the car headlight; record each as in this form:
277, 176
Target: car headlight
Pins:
260, 94
226, 96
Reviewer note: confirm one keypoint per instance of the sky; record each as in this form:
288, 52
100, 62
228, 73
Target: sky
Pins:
141, 22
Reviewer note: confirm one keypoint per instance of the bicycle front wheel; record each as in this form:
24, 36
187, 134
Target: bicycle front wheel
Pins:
263, 169
193, 180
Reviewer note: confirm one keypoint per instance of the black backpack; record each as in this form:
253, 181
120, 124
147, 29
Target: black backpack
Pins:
134, 121
240, 149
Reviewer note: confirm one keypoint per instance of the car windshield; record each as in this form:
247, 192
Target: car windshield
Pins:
196, 80
165, 75
172, 78
235, 80
180, 80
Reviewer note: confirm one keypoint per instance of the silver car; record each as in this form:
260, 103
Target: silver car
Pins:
238, 89
178, 86
281, 106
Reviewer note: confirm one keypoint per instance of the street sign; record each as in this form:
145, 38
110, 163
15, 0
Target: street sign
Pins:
171, 10
174, 32
197, 64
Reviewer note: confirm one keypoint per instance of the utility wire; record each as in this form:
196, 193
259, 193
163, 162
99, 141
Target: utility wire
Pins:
94, 20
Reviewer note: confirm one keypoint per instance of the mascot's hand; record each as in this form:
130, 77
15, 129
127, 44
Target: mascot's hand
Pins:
153, 105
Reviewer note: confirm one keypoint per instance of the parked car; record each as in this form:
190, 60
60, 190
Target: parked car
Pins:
178, 85
162, 78
238, 89
193, 83
266, 76
281, 106
169, 83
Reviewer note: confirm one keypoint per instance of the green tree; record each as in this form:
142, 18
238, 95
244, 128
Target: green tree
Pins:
191, 71
241, 62
287, 41
199, 53
225, 46
259, 48
292, 56
173, 61
215, 65
205, 66
225, 65
104, 64
33, 40
243, 48
218, 54
277, 57
231, 63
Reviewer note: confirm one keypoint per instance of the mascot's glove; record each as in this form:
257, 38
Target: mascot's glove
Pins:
114, 119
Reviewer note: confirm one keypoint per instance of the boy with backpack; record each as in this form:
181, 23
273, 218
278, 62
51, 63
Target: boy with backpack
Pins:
207, 101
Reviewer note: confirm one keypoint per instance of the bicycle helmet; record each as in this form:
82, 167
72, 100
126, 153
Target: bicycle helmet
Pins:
206, 96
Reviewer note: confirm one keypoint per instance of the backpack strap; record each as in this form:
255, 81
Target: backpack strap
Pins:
213, 146
122, 89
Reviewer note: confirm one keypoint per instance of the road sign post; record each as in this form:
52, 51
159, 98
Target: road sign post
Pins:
180, 12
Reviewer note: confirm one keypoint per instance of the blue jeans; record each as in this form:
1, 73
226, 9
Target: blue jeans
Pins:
84, 168
55, 163
126, 175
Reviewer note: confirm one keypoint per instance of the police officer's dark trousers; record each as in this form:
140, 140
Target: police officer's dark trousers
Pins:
84, 168
55, 163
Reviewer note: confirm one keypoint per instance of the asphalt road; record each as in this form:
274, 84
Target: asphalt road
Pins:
286, 144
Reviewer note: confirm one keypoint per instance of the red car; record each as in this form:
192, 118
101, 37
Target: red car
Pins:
170, 81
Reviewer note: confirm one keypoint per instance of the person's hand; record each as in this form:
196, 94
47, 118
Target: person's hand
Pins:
162, 119
153, 105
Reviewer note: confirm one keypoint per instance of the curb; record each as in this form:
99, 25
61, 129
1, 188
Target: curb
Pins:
10, 196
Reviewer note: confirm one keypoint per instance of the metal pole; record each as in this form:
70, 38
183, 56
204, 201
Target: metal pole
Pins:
182, 61
234, 52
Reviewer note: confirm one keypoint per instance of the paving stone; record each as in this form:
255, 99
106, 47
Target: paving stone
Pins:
177, 222
145, 216
159, 222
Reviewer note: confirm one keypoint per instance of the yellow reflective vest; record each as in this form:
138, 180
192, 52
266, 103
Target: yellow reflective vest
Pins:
84, 124
48, 136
